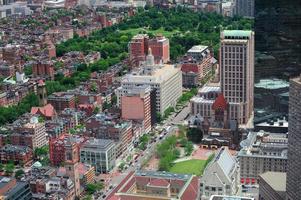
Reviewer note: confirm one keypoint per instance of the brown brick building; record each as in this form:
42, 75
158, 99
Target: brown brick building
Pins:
32, 134
43, 69
21, 155
61, 100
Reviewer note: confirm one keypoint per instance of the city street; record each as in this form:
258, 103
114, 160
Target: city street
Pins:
144, 156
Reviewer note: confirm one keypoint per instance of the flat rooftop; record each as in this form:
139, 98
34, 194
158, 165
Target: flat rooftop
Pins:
297, 79
202, 100
277, 180
272, 84
100, 144
197, 49
222, 197
237, 33
210, 88
164, 175
265, 144
160, 74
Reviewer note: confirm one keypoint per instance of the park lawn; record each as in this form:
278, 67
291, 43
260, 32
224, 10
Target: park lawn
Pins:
193, 166
135, 31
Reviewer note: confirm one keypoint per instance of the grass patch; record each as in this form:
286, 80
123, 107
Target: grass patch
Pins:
193, 166
135, 31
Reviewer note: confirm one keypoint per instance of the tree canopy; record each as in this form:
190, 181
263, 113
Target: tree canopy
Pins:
11, 113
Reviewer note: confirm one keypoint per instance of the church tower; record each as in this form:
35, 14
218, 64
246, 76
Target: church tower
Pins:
42, 93
71, 164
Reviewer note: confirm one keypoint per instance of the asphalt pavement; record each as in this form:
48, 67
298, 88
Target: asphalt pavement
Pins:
172, 121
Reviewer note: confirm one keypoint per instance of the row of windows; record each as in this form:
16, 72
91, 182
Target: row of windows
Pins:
234, 55
233, 48
233, 80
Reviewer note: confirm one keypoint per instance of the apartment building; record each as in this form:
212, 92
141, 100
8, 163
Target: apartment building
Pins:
31, 134
262, 152
139, 45
111, 127
61, 100
21, 155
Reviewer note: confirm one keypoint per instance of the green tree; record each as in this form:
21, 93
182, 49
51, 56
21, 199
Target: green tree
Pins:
168, 112
188, 148
143, 141
195, 135
9, 168
28, 70
93, 87
87, 197
114, 100
121, 166
11, 113
19, 173
58, 65
183, 142
42, 151
96, 110
93, 187
158, 117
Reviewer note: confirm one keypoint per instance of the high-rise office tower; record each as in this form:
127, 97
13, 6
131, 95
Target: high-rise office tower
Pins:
244, 8
237, 73
293, 183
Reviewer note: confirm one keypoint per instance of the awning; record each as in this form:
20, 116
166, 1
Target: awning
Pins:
242, 180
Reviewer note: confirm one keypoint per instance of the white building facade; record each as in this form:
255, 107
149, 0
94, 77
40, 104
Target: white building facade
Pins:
165, 79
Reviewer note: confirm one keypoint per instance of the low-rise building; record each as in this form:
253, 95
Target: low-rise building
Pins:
10, 189
221, 176
225, 197
21, 155
99, 153
157, 185
61, 100
6, 70
109, 126
47, 184
262, 152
